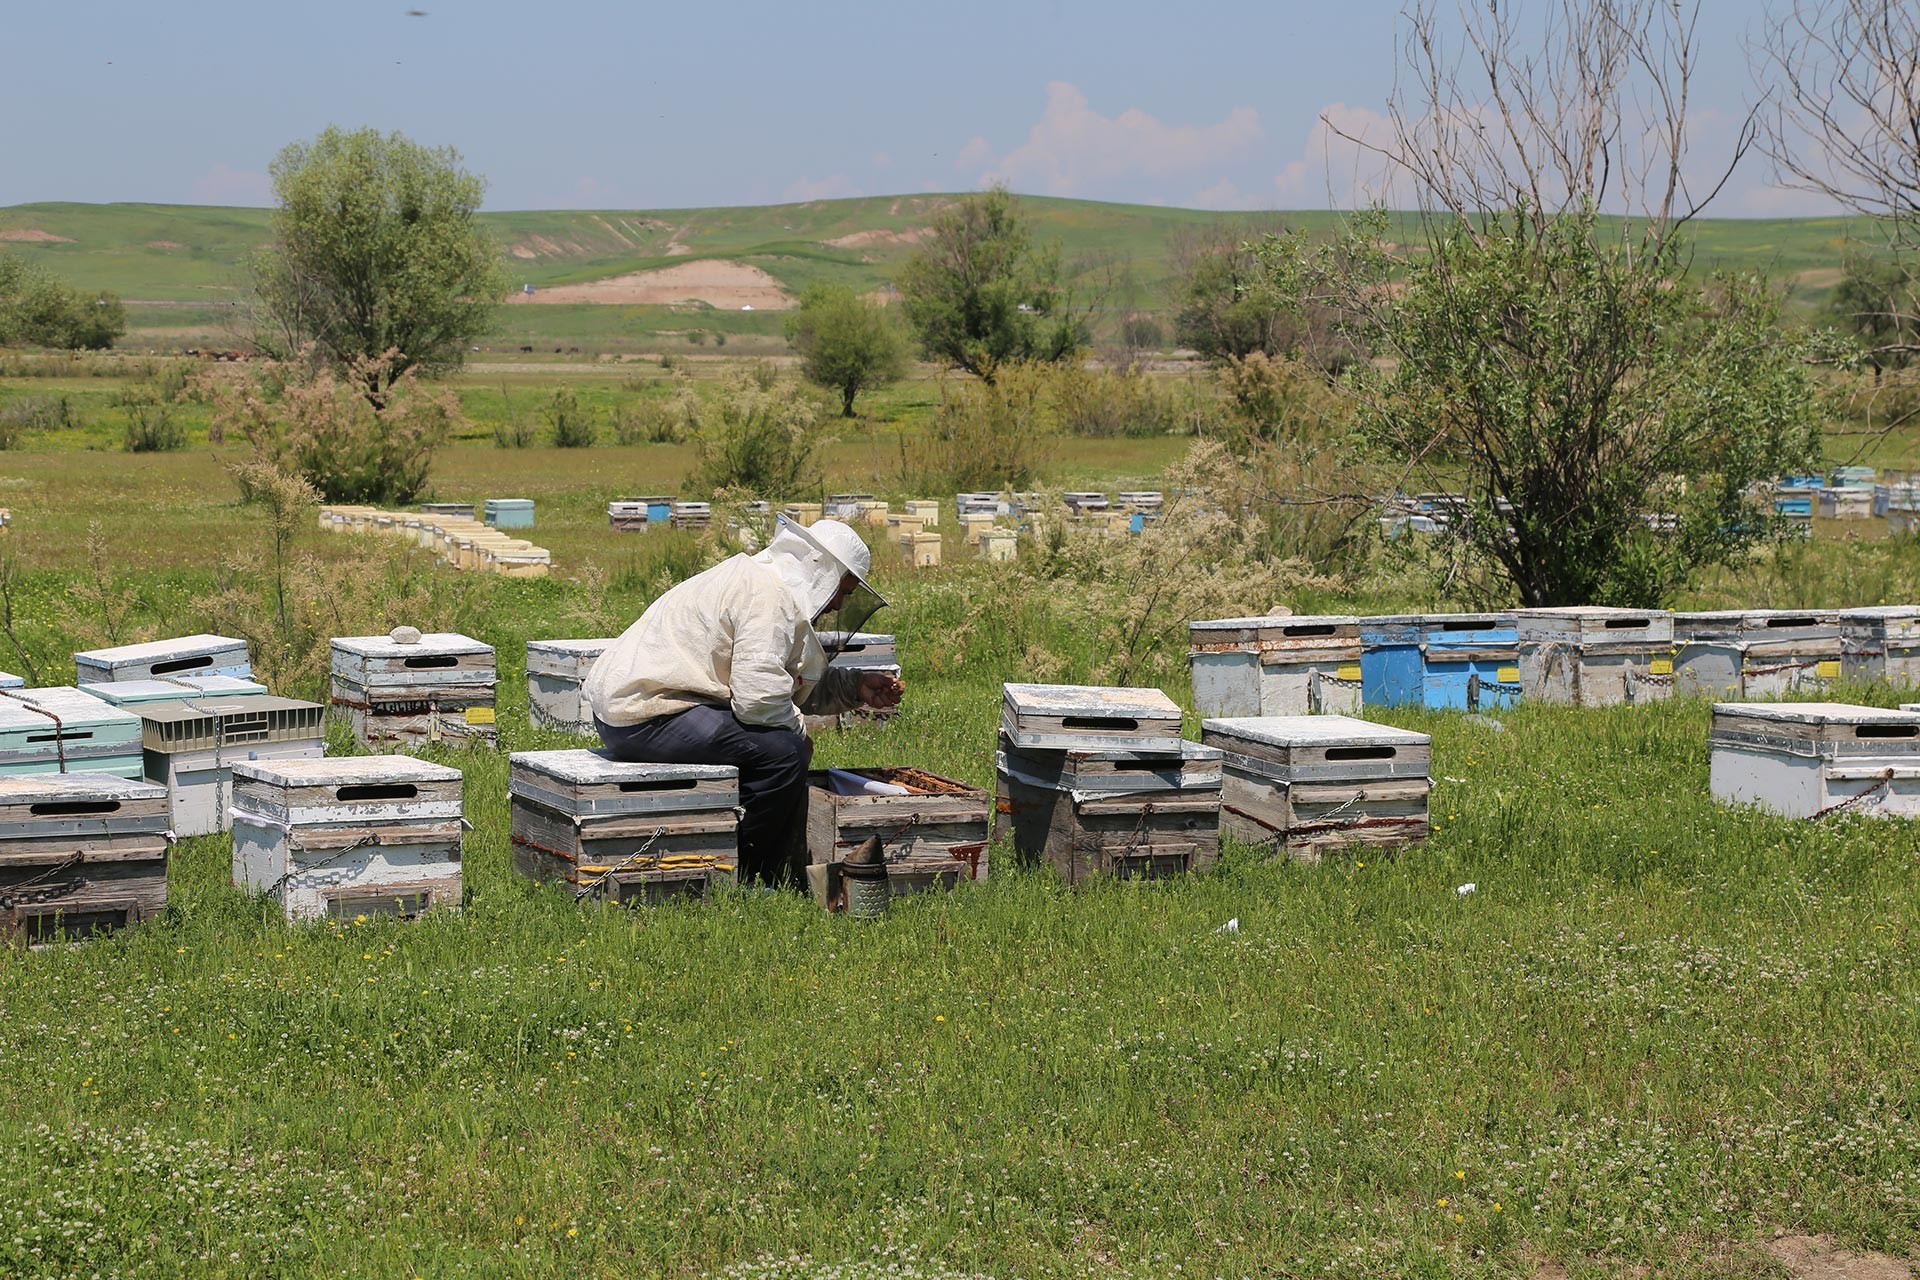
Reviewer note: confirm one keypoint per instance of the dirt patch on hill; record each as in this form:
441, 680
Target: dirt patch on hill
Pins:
164, 244
726, 285
32, 235
1822, 1258
865, 239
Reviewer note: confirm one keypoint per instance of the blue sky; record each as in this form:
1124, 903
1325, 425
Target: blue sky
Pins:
608, 105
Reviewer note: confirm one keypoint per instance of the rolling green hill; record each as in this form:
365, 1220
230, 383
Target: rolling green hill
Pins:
181, 267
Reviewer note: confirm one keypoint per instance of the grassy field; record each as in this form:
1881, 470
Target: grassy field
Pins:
1656, 1034
182, 266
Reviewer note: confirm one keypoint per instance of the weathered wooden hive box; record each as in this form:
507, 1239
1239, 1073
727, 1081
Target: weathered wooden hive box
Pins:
80, 853
1845, 504
509, 513
1072, 717
623, 832
1744, 654
933, 837
186, 656
1894, 494
1881, 643
1594, 656
691, 515
140, 693
61, 729
343, 838
439, 688
627, 515
1082, 502
1306, 784
191, 748
1458, 661
556, 682
1105, 812
462, 509
1275, 666
1811, 759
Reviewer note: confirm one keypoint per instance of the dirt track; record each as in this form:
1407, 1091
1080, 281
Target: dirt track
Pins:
726, 285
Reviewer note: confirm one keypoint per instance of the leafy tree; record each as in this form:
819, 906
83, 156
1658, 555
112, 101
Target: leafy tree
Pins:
376, 250
38, 308
846, 343
980, 293
1873, 304
1225, 308
756, 434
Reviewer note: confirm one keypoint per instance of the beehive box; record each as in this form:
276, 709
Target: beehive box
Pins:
1812, 759
628, 515
999, 546
1881, 643
1144, 500
509, 513
804, 514
1289, 665
192, 746
556, 682
986, 504
462, 509
346, 838
1745, 654
1458, 661
80, 853
1303, 785
1845, 504
8, 680
1069, 717
439, 689
691, 515
934, 837
927, 512
1594, 656
845, 506
61, 729
1136, 815
921, 550
623, 832
186, 656
138, 693
1082, 502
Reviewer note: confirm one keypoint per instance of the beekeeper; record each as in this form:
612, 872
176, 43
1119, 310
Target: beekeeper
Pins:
720, 669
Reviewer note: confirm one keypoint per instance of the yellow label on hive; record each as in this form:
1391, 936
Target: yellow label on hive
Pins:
1828, 670
479, 715
1507, 675
1348, 671
1661, 666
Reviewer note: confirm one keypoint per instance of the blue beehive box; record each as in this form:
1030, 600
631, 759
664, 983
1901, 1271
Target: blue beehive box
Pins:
10, 681
1794, 504
510, 513
1458, 661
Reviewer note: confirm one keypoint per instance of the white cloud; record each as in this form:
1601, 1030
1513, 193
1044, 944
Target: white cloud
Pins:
225, 185
1225, 194
1073, 147
1338, 170
836, 187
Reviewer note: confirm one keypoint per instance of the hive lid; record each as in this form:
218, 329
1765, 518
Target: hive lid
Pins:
1275, 620
432, 642
1312, 731
1815, 713
333, 771
159, 650
172, 689
72, 705
1090, 700
218, 707
578, 648
590, 768
42, 788
1596, 611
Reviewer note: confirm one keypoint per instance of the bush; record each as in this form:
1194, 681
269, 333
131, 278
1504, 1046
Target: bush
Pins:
153, 424
1098, 404
32, 414
758, 434
987, 436
572, 427
308, 421
647, 421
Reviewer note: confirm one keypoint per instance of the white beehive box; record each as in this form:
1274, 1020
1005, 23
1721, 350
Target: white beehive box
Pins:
192, 746
1811, 759
1065, 717
439, 688
80, 853
1881, 643
1305, 784
623, 832
1844, 504
556, 683
1275, 666
346, 838
1595, 656
61, 729
1746, 654
187, 656
139, 693
627, 515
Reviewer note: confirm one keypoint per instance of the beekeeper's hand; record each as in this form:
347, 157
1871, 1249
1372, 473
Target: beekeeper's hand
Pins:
880, 690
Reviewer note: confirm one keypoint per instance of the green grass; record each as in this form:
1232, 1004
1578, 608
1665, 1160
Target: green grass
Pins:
1657, 1032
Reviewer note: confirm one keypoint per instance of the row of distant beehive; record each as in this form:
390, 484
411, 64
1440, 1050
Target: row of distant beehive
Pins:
1586, 656
450, 531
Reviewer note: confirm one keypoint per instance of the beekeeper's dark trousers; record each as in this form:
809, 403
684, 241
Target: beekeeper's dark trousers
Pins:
773, 779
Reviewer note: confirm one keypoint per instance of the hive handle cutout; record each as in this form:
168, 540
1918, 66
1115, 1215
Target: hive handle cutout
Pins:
1885, 731
431, 660
74, 808
1309, 629
1626, 624
1362, 753
376, 791
173, 666
1099, 722
663, 784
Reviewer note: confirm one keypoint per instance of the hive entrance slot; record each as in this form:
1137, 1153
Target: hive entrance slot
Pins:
351, 906
1625, 624
69, 735
173, 666
74, 808
663, 784
1099, 722
1462, 624
1361, 753
431, 660
1790, 622
62, 926
376, 791
1309, 629
1885, 731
